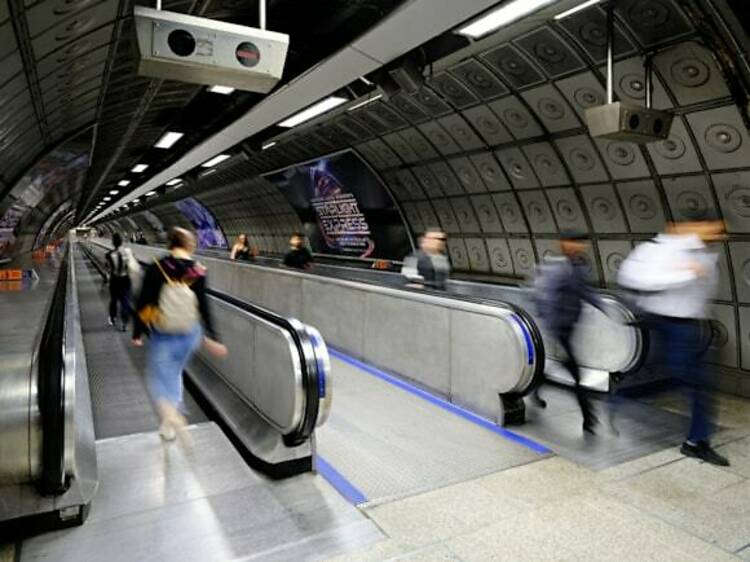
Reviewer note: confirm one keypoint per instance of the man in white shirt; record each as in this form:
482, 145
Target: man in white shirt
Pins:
676, 276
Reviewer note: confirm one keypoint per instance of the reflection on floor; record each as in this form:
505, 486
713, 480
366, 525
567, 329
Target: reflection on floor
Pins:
659, 507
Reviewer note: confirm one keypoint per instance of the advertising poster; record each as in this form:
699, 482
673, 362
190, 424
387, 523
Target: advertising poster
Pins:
345, 208
207, 229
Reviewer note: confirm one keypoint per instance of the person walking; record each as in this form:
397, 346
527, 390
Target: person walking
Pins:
298, 256
428, 266
117, 264
173, 309
675, 277
561, 287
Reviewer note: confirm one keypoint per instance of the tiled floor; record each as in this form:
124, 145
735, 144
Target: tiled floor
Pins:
661, 507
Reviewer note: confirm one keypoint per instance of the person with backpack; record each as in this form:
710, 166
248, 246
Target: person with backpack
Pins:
173, 309
675, 276
561, 286
118, 264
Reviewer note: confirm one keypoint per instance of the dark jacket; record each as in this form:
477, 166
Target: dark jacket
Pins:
298, 258
561, 287
180, 269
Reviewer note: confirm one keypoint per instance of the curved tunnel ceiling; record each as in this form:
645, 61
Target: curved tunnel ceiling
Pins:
495, 150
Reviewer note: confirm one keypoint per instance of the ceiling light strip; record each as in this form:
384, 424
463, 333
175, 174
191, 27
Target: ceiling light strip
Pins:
508, 13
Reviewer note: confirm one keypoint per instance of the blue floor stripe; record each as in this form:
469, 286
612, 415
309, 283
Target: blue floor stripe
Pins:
441, 403
352, 494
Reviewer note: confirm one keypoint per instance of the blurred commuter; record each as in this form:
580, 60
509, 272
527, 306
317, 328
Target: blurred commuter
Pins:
118, 263
241, 249
428, 266
298, 255
171, 308
675, 277
561, 287
141, 239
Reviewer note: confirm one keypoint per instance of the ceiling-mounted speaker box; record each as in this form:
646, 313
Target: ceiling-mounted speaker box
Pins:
185, 48
631, 123
408, 76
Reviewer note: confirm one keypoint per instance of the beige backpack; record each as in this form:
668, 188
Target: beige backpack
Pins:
178, 306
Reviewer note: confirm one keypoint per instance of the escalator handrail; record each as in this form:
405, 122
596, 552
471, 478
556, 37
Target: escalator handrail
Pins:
51, 389
302, 342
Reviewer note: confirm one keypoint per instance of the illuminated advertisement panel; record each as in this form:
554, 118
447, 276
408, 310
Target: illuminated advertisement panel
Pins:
345, 208
207, 229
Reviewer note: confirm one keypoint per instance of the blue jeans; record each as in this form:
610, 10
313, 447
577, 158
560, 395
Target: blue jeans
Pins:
167, 356
679, 342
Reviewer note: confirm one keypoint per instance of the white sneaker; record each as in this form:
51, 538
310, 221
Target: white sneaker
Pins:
167, 432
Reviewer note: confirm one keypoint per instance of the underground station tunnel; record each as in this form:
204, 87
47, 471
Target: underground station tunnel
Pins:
375, 280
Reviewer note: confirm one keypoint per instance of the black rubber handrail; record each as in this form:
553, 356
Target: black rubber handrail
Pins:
309, 367
51, 390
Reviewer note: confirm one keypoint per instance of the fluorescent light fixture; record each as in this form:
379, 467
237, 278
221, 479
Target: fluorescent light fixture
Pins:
107, 199
123, 183
576, 9
366, 102
506, 14
174, 181
226, 90
215, 160
138, 168
150, 193
135, 201
268, 145
313, 111
114, 192
168, 139
365, 80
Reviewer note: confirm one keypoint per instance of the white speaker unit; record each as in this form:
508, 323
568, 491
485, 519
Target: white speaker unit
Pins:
186, 48
620, 121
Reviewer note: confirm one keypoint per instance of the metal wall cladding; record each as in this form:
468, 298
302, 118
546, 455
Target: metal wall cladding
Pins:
430, 102
604, 209
691, 73
419, 144
721, 136
428, 181
7, 39
546, 164
409, 186
458, 255
446, 216
11, 66
488, 125
689, 197
514, 67
387, 156
551, 109
516, 118
409, 108
724, 291
461, 132
653, 22
467, 175
522, 254
489, 220
429, 218
413, 217
478, 259
67, 28
546, 248
582, 159
464, 212
567, 210
538, 212
479, 79
490, 171
611, 255
624, 160
740, 255
449, 184
453, 90
510, 212
744, 337
517, 168
549, 52
642, 206
733, 193
439, 138
582, 91
589, 29
630, 84
499, 255
724, 341
676, 154
402, 148
386, 115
